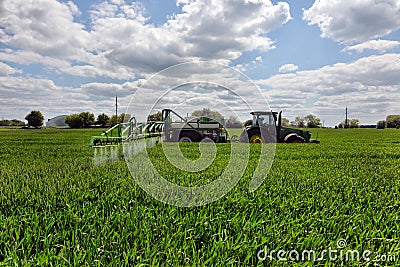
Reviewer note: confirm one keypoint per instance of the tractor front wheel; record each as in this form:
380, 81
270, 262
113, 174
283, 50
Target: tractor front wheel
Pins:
294, 138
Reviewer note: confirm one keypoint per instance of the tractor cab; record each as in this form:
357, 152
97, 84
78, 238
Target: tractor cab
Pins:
262, 118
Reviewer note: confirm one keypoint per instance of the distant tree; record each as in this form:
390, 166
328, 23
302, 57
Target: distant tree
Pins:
393, 121
346, 124
354, 123
381, 125
232, 122
113, 120
312, 121
17, 123
35, 119
87, 119
5, 123
155, 117
102, 119
74, 121
299, 122
208, 113
120, 119
285, 122
124, 117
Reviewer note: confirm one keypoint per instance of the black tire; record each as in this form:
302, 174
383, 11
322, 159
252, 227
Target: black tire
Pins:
293, 138
188, 136
254, 136
234, 138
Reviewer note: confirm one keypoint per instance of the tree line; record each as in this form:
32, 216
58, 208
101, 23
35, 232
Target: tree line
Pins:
309, 121
350, 123
392, 121
16, 123
79, 120
87, 119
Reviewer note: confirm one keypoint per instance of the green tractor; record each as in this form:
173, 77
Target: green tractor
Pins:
266, 127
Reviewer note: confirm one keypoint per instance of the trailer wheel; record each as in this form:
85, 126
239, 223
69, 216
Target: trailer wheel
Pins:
234, 138
188, 137
185, 139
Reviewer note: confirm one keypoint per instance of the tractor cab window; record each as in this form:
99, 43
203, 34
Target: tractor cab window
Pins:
263, 119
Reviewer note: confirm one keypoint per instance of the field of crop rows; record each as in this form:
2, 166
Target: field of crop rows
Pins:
58, 208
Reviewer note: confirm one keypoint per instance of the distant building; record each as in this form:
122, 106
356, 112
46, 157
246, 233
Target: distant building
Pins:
58, 121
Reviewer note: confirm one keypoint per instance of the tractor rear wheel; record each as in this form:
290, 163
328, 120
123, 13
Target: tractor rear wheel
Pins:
255, 136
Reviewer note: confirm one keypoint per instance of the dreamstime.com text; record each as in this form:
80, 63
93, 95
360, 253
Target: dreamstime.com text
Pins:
339, 254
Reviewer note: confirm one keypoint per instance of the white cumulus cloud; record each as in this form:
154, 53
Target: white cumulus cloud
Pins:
288, 68
375, 45
6, 70
354, 21
218, 30
119, 41
45, 27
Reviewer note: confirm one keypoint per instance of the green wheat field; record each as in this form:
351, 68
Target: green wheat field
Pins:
59, 209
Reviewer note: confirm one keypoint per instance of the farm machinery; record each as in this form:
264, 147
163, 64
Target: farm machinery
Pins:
177, 129
265, 127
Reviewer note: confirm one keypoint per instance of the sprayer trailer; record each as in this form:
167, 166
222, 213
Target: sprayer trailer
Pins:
192, 129
172, 128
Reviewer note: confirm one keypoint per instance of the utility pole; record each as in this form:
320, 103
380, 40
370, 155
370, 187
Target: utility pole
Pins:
346, 122
116, 107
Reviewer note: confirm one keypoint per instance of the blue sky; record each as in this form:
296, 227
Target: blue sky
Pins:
318, 57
